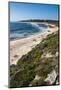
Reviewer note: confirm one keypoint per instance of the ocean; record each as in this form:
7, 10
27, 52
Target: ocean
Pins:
20, 30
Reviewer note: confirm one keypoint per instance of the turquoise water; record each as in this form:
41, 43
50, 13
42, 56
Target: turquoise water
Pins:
23, 30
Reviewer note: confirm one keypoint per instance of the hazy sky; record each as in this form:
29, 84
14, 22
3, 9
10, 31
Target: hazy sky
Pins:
24, 11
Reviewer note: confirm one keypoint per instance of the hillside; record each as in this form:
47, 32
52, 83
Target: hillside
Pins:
39, 67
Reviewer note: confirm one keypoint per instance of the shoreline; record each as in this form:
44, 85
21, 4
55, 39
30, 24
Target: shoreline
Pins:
33, 23
22, 46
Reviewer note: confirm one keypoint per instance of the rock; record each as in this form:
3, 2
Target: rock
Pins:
30, 85
51, 77
47, 55
37, 77
56, 53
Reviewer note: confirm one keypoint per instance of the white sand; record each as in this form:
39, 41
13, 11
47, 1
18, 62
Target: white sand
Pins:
23, 46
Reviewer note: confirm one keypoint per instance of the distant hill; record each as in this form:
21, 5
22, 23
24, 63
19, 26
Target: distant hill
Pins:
38, 20
56, 22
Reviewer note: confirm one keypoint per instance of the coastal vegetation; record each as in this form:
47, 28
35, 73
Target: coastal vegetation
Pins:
33, 68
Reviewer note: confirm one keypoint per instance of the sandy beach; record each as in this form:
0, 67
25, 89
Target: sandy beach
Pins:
23, 46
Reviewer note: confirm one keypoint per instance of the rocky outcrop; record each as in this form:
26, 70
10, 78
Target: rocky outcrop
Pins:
51, 77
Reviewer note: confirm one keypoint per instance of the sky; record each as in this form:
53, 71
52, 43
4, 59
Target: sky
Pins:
25, 11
